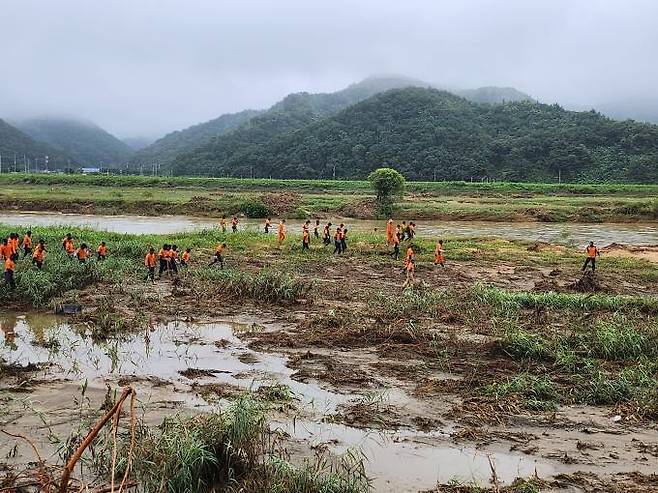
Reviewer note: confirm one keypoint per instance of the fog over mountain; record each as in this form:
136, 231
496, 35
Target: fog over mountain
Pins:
151, 67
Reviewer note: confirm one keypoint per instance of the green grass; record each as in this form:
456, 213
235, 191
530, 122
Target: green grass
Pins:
229, 451
516, 300
438, 200
324, 185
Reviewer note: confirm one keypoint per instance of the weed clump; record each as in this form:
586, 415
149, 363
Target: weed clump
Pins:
267, 286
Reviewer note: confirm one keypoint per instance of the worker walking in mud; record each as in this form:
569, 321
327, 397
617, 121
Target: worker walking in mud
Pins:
163, 258
150, 261
185, 258
268, 225
389, 232
10, 267
396, 245
82, 253
592, 253
316, 229
411, 230
5, 249
173, 259
218, 256
222, 224
281, 232
27, 243
68, 245
39, 254
439, 258
14, 246
409, 267
338, 240
326, 234
234, 224
343, 239
101, 252
306, 236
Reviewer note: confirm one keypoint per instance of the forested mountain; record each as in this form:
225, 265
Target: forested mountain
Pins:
16, 144
493, 95
292, 113
164, 150
137, 143
430, 134
86, 143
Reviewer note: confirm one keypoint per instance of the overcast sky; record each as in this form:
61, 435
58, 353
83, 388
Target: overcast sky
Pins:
146, 67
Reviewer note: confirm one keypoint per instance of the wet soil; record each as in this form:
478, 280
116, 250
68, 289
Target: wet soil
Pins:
407, 405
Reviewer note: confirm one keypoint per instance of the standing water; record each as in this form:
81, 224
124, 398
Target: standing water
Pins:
567, 233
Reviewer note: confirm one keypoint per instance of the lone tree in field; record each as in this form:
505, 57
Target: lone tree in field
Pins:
389, 186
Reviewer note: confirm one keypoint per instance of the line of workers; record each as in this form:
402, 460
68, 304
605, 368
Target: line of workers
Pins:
167, 260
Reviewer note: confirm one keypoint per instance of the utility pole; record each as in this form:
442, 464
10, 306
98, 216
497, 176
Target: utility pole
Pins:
0, 162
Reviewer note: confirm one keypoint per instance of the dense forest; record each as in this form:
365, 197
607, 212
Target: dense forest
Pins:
429, 134
18, 145
251, 127
84, 142
164, 151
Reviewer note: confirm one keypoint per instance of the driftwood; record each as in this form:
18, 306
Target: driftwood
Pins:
112, 413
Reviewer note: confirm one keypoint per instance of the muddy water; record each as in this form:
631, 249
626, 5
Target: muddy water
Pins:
567, 233
397, 460
162, 353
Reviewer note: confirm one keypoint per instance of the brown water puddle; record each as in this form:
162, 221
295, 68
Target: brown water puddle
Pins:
155, 361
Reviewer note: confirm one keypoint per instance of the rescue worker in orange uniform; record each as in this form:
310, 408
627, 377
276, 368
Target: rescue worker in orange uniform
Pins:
101, 251
409, 267
218, 256
10, 267
306, 236
68, 245
5, 249
222, 224
173, 259
27, 243
82, 253
150, 262
163, 257
326, 234
390, 233
338, 240
396, 246
234, 224
592, 253
185, 258
439, 259
39, 254
281, 232
14, 246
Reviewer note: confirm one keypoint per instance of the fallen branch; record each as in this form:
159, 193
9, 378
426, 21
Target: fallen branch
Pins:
70, 465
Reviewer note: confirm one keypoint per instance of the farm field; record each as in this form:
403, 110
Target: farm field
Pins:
309, 198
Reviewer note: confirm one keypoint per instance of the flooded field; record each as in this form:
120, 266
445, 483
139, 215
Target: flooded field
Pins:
185, 367
563, 233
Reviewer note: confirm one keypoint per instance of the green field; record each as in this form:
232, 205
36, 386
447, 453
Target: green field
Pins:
308, 198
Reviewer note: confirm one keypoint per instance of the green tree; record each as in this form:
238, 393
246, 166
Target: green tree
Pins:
389, 186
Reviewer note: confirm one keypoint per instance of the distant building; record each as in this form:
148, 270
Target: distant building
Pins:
89, 171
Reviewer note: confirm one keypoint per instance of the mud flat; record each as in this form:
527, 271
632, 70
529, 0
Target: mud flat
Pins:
408, 442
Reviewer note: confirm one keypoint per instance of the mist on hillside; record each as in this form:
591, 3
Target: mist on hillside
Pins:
143, 69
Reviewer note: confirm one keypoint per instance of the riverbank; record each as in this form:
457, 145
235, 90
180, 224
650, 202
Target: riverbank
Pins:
508, 353
310, 199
